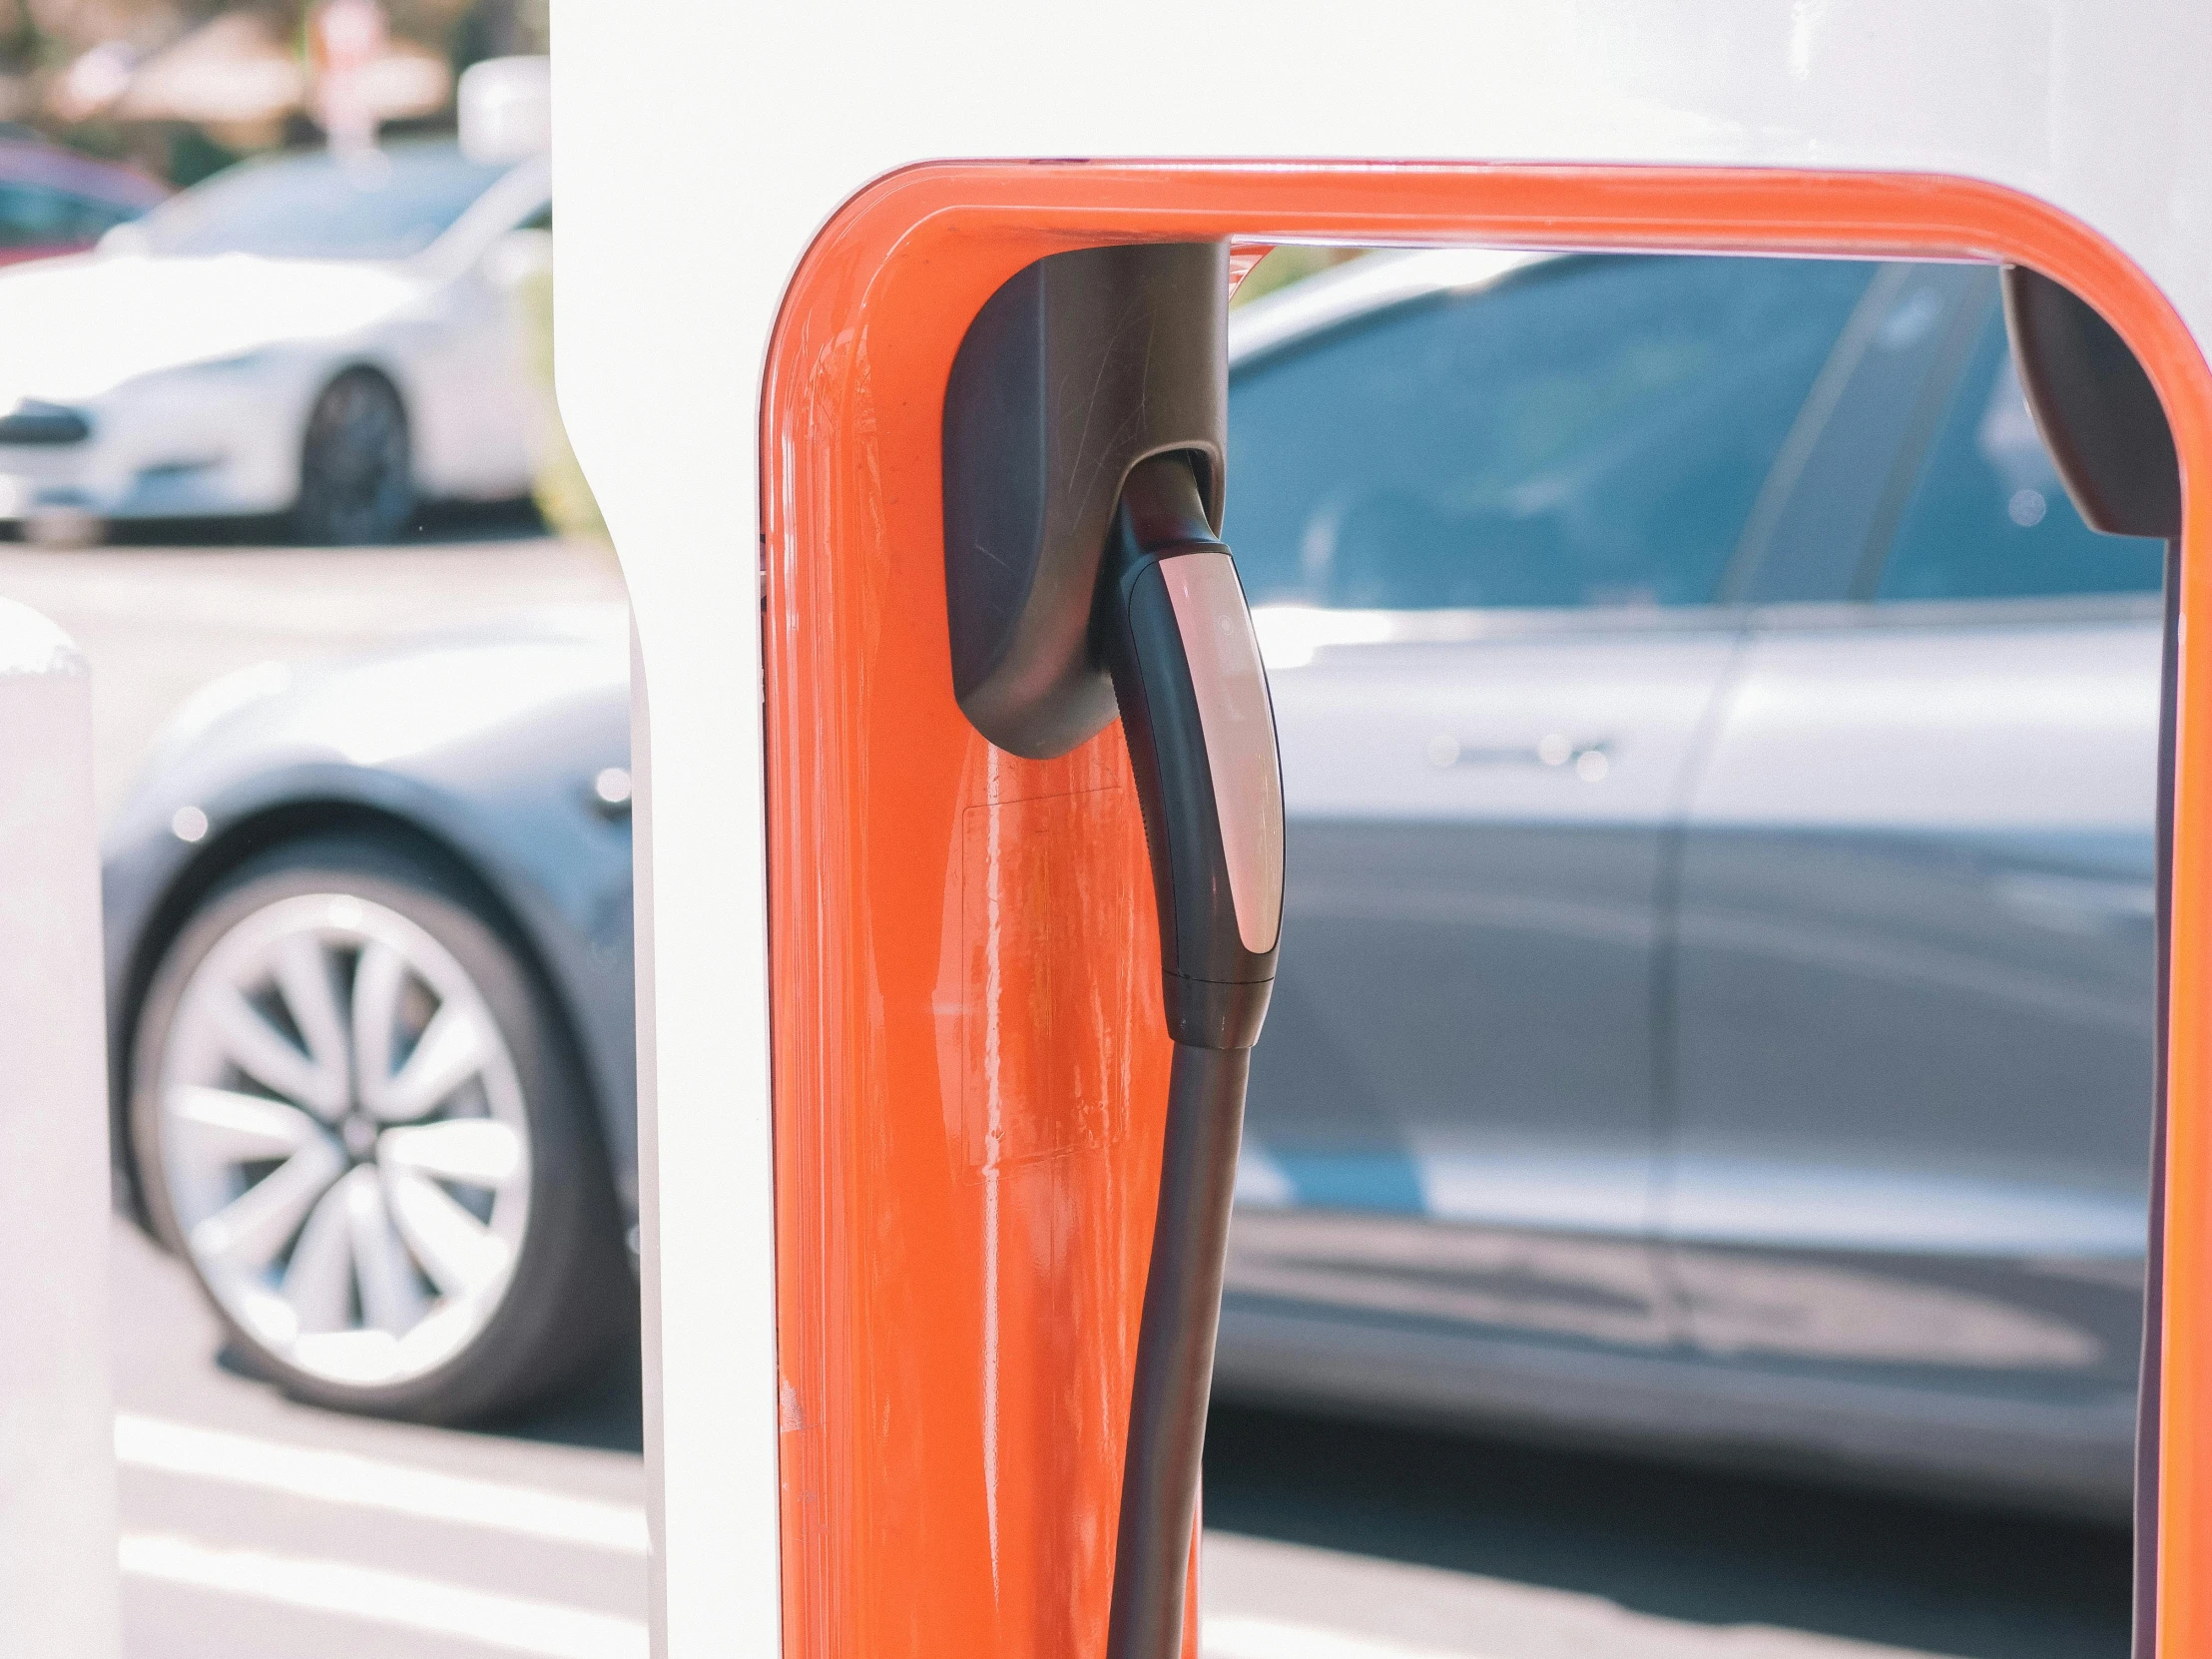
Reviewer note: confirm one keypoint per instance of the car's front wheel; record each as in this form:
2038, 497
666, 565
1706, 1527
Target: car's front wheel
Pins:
359, 1123
356, 473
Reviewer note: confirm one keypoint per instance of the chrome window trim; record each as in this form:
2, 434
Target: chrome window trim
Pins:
1360, 288
2040, 611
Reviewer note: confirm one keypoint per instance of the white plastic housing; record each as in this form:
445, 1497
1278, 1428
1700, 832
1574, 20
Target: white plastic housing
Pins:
57, 1406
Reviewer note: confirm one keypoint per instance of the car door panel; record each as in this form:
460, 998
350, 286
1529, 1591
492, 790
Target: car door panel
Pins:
1913, 973
1464, 1033
1913, 981
1485, 530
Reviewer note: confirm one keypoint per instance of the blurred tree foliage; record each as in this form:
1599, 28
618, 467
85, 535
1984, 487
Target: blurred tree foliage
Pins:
41, 41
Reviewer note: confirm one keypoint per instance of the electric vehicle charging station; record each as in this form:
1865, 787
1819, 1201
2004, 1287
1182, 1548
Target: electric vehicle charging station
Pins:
889, 1383
889, 1390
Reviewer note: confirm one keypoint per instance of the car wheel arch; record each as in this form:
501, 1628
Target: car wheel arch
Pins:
267, 831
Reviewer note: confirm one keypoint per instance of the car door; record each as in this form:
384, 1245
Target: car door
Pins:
1915, 974
481, 414
1487, 533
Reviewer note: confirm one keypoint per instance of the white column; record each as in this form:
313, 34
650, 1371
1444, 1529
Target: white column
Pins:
57, 1413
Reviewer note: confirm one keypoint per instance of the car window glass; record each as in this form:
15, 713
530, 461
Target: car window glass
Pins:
387, 204
1593, 431
38, 215
1989, 519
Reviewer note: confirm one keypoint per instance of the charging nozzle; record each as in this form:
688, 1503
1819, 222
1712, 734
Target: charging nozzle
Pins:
1177, 637
1084, 444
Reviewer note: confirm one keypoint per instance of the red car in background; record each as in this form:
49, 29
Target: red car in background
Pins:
54, 201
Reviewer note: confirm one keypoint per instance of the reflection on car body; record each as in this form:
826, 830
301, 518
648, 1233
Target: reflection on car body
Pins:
1564, 1284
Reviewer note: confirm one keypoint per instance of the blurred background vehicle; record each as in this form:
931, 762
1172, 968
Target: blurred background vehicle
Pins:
1718, 1010
333, 335
1717, 1007
370, 948
54, 201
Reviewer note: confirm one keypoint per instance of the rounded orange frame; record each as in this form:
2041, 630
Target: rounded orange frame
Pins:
968, 1056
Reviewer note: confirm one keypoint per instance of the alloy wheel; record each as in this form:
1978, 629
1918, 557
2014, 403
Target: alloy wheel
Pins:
345, 1140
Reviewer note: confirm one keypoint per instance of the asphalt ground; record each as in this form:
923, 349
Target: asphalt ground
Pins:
256, 1528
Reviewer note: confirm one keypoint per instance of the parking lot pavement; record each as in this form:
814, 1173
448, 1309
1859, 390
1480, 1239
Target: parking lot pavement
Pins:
254, 1528
1393, 1543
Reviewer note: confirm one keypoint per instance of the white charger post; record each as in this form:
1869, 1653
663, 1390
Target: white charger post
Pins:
58, 1574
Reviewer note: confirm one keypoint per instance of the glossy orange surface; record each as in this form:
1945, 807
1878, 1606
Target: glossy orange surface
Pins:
969, 1061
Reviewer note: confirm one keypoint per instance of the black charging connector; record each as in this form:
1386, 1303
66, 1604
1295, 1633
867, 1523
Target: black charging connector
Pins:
1173, 628
1175, 635
1084, 446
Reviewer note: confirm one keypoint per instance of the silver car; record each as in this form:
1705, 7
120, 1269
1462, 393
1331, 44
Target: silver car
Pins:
1716, 1005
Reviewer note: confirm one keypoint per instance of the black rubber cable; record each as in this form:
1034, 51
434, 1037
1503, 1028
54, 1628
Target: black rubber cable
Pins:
1175, 1351
2149, 1383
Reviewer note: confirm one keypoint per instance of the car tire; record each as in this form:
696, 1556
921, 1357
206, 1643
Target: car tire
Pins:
438, 1241
357, 470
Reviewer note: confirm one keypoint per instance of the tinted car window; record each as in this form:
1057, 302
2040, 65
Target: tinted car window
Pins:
1593, 431
1988, 518
387, 204
38, 215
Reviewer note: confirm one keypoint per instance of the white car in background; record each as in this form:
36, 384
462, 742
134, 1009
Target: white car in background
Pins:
332, 337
